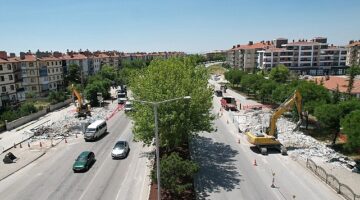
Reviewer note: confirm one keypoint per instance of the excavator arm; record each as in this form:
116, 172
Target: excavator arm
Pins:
77, 94
288, 104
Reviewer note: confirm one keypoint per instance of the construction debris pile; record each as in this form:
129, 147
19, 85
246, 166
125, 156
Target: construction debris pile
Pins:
298, 144
68, 124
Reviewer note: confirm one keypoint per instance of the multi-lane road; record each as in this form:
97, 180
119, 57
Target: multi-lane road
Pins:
51, 177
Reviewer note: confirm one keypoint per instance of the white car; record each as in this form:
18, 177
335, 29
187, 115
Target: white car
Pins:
120, 150
128, 106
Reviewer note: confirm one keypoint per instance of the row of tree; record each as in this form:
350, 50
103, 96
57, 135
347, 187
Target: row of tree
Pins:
178, 120
277, 85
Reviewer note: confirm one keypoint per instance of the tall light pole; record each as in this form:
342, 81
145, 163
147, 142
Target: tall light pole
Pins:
156, 105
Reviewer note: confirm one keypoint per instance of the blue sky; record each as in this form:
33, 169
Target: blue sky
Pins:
170, 25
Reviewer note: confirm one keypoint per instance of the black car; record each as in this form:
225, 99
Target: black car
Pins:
84, 161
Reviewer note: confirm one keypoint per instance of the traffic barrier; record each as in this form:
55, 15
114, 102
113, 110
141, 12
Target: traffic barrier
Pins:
20, 145
255, 164
40, 145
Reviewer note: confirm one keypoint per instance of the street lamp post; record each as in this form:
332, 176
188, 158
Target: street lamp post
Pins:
156, 105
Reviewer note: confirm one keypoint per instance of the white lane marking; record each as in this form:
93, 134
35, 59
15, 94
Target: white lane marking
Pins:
92, 180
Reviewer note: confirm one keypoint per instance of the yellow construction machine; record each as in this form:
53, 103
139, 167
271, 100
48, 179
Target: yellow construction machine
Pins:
82, 109
268, 140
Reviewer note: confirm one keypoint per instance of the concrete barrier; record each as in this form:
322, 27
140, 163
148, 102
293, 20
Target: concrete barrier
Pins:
60, 105
23, 120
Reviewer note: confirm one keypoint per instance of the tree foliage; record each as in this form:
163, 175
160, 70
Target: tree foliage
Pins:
56, 97
351, 127
73, 74
280, 74
251, 82
168, 79
174, 170
234, 76
352, 72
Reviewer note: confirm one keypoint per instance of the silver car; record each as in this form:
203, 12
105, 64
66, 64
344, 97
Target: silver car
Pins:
120, 150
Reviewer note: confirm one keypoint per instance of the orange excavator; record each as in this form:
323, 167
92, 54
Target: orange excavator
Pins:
82, 109
263, 141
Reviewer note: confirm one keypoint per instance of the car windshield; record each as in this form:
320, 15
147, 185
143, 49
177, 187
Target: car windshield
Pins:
128, 105
81, 158
119, 145
90, 130
121, 96
230, 100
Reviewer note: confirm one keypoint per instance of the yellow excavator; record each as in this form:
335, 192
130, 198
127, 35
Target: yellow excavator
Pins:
82, 109
268, 140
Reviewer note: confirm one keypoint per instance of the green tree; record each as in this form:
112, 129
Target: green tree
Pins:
266, 89
167, 79
73, 74
174, 172
98, 86
108, 72
280, 74
56, 96
251, 82
336, 95
351, 127
234, 76
312, 94
329, 118
352, 72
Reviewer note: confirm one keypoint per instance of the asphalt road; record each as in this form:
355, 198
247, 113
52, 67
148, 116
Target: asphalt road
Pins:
228, 172
51, 177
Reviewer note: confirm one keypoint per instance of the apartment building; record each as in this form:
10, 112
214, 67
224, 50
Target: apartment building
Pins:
7, 80
353, 53
313, 57
245, 57
30, 73
50, 74
79, 59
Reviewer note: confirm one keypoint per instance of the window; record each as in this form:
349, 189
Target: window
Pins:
9, 67
52, 70
49, 71
32, 72
2, 78
49, 78
33, 88
32, 80
3, 89
12, 87
57, 69
52, 63
58, 77
48, 63
10, 77
1, 68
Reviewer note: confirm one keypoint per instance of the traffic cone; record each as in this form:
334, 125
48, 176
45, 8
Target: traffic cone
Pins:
76, 135
65, 140
20, 145
239, 140
29, 144
40, 145
255, 162
227, 121
14, 145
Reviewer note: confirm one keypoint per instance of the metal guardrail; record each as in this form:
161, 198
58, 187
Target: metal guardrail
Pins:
332, 181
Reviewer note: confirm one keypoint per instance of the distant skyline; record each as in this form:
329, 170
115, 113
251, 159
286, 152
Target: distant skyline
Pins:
163, 25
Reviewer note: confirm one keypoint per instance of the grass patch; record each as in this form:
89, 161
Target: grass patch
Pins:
216, 69
40, 103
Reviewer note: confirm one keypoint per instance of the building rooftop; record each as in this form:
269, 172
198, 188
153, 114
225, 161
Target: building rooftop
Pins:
341, 81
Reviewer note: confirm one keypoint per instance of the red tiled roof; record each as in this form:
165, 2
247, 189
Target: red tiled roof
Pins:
258, 45
343, 82
75, 56
354, 44
51, 58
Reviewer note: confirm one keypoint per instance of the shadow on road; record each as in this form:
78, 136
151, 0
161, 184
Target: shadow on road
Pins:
217, 166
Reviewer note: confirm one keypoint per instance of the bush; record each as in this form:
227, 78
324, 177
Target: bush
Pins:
174, 170
56, 97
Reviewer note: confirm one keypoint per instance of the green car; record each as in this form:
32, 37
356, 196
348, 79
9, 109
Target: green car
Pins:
84, 161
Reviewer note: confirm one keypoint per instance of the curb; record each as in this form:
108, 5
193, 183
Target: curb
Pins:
5, 150
23, 166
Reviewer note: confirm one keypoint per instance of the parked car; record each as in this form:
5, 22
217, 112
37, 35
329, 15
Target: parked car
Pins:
120, 150
84, 161
218, 93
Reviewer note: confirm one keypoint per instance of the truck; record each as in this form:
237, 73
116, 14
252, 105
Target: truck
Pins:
268, 140
121, 97
228, 103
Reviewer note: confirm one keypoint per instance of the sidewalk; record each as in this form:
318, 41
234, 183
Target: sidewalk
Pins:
343, 174
17, 135
30, 152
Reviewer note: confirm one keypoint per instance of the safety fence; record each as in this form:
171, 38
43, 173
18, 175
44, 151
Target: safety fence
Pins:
332, 181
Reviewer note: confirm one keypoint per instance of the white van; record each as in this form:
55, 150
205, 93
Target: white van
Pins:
95, 130
128, 106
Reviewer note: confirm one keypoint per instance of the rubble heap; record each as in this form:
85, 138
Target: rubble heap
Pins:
298, 144
69, 124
